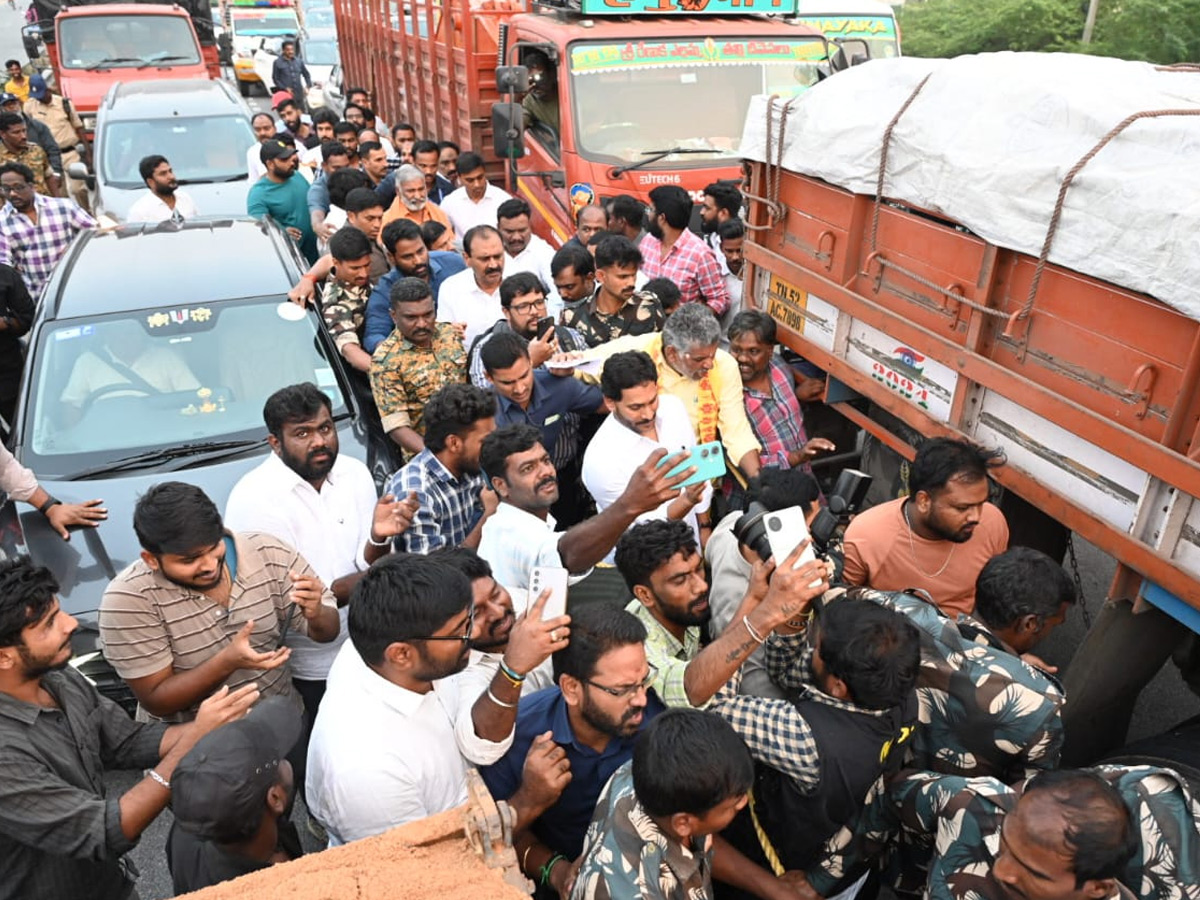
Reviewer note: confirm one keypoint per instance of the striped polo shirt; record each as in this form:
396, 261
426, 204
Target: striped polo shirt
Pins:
148, 623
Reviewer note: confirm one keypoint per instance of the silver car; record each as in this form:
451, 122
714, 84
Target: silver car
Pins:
203, 129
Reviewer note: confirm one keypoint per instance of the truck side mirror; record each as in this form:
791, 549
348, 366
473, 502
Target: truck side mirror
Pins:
508, 129
512, 79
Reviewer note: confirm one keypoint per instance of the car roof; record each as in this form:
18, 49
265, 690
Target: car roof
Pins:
161, 99
143, 266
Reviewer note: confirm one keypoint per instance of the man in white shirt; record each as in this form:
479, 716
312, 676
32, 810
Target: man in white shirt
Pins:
732, 234
324, 505
521, 533
641, 421
264, 130
477, 200
395, 736
472, 297
164, 202
526, 252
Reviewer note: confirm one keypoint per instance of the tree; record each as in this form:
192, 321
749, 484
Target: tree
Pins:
1160, 31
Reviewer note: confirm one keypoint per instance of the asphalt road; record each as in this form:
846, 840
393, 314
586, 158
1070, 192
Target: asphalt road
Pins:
1165, 702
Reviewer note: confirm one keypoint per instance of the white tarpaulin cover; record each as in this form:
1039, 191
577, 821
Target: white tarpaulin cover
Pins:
989, 139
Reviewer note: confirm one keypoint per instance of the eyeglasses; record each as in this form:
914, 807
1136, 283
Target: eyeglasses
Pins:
627, 690
15, 188
523, 309
454, 637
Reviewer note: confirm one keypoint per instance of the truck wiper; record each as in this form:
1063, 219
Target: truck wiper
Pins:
108, 61
655, 155
155, 60
205, 449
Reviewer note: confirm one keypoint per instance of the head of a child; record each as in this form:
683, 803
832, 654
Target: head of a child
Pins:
691, 773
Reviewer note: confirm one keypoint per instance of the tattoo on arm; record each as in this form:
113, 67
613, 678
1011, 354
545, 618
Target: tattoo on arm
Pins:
740, 650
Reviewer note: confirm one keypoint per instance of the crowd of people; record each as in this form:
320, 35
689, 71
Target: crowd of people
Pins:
704, 717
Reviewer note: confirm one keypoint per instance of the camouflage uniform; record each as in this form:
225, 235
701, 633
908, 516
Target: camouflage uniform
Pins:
404, 376
626, 855
34, 157
344, 309
641, 314
959, 821
984, 711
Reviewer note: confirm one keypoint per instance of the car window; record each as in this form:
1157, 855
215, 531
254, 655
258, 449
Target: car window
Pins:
201, 149
169, 376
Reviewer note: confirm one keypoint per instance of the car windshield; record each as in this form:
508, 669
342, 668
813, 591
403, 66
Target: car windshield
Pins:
321, 53
125, 41
322, 17
265, 22
112, 386
201, 149
632, 99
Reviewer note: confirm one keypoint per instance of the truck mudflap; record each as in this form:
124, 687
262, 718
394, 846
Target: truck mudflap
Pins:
1092, 390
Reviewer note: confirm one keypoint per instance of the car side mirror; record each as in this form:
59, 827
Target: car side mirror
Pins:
508, 129
79, 171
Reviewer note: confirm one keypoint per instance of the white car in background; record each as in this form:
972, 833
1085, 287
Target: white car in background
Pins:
319, 50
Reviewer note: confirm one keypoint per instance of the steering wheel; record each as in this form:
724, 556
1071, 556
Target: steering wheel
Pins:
123, 387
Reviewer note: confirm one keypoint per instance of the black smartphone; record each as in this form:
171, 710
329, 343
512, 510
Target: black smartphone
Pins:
544, 325
287, 625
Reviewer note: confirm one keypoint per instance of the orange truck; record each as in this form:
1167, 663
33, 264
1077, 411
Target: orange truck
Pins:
650, 92
995, 251
91, 46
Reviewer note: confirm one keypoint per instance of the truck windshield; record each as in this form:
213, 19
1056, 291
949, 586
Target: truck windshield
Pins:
879, 31
126, 41
201, 149
265, 22
631, 98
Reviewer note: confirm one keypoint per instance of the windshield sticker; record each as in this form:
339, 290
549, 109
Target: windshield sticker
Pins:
590, 58
65, 334
290, 312
185, 316
686, 7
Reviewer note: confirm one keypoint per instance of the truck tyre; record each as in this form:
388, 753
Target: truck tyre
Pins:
1178, 749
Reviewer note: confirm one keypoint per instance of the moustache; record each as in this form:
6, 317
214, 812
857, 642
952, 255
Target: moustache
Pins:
544, 482
492, 271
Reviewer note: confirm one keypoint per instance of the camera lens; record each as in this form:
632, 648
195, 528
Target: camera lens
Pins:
774, 524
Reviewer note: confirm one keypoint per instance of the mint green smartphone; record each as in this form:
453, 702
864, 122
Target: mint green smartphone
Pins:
709, 460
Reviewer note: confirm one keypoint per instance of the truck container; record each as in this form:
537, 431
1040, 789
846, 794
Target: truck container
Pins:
1003, 248
650, 92
91, 46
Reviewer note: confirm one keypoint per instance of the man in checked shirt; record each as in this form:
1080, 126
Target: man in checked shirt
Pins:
850, 671
35, 230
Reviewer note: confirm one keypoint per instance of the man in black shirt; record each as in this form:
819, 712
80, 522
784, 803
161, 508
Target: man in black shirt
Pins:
16, 315
232, 797
60, 836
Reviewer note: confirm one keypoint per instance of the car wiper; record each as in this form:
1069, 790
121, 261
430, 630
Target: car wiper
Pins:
155, 60
655, 155
205, 449
111, 60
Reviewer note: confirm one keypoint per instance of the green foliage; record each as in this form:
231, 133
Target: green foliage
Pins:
1161, 31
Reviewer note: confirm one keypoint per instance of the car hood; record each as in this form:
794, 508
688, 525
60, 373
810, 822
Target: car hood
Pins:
213, 199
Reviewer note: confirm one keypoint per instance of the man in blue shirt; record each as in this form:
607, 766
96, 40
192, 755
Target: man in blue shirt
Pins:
594, 716
282, 194
403, 243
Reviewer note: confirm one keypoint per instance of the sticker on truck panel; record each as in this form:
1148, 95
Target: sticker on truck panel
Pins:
787, 304
582, 195
920, 380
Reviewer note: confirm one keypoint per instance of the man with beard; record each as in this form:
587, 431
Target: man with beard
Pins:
60, 835
425, 157
672, 251
164, 202
526, 252
642, 420
283, 196
731, 235
452, 497
664, 568
412, 259
722, 203
938, 538
292, 120
412, 199
602, 702
394, 740
289, 73
494, 620
616, 308
264, 130
415, 361
203, 607
476, 200
472, 298
323, 504
522, 534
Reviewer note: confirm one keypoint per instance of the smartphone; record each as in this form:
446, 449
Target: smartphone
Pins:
544, 325
554, 578
709, 460
287, 625
786, 528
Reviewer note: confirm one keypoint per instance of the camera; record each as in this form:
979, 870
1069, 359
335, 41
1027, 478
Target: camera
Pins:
843, 502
